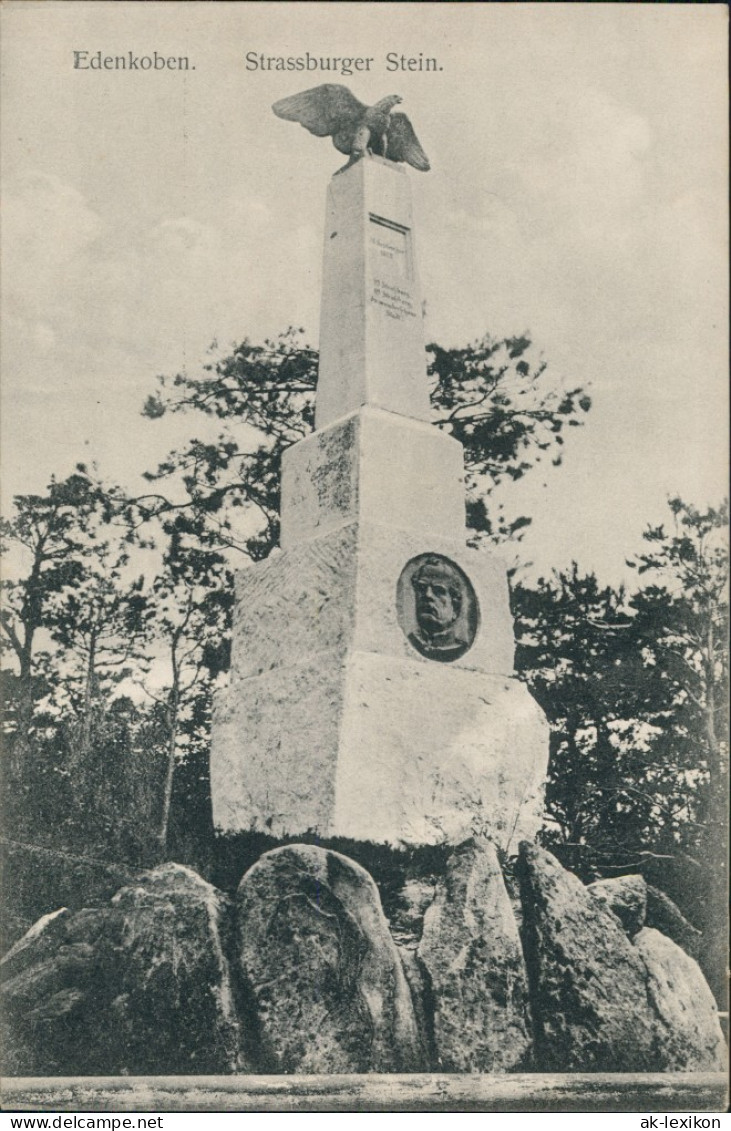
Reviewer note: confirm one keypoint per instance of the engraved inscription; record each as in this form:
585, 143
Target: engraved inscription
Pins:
390, 248
391, 267
396, 302
389, 253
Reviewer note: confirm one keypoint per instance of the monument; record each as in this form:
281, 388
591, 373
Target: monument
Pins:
372, 692
372, 698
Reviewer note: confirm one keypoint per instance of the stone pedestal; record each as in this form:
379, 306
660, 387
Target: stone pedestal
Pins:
335, 723
373, 466
372, 689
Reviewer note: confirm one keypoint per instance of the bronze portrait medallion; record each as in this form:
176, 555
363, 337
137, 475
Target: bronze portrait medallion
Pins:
437, 607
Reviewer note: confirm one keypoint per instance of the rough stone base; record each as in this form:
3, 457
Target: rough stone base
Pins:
339, 590
336, 722
381, 749
650, 1093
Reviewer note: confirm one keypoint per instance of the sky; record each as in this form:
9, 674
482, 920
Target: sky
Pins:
578, 192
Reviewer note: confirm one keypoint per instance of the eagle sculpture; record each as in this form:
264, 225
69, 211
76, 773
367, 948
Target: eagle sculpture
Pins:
331, 110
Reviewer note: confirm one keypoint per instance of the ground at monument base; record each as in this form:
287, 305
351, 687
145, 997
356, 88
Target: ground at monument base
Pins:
650, 1093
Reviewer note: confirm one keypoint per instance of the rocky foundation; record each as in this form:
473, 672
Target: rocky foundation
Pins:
302, 973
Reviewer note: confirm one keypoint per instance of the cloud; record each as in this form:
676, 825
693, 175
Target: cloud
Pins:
48, 228
45, 217
96, 304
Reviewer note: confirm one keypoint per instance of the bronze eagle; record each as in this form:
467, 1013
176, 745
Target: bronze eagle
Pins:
331, 110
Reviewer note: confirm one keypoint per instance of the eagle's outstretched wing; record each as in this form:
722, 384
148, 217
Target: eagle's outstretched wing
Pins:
326, 109
403, 144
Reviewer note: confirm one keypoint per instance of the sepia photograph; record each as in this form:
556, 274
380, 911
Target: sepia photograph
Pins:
365, 538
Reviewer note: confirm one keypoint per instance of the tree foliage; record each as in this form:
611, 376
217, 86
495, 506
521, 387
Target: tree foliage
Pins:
85, 759
57, 546
681, 620
108, 697
188, 617
508, 414
635, 687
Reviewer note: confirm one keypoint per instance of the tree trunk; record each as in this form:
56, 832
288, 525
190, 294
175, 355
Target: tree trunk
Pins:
80, 756
172, 720
20, 749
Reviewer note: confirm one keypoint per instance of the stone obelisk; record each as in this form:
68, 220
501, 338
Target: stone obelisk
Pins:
372, 690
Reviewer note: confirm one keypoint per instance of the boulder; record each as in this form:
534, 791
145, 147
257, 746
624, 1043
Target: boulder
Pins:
141, 985
626, 896
56, 982
177, 1007
35, 879
588, 982
41, 938
470, 949
689, 1036
323, 982
666, 916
